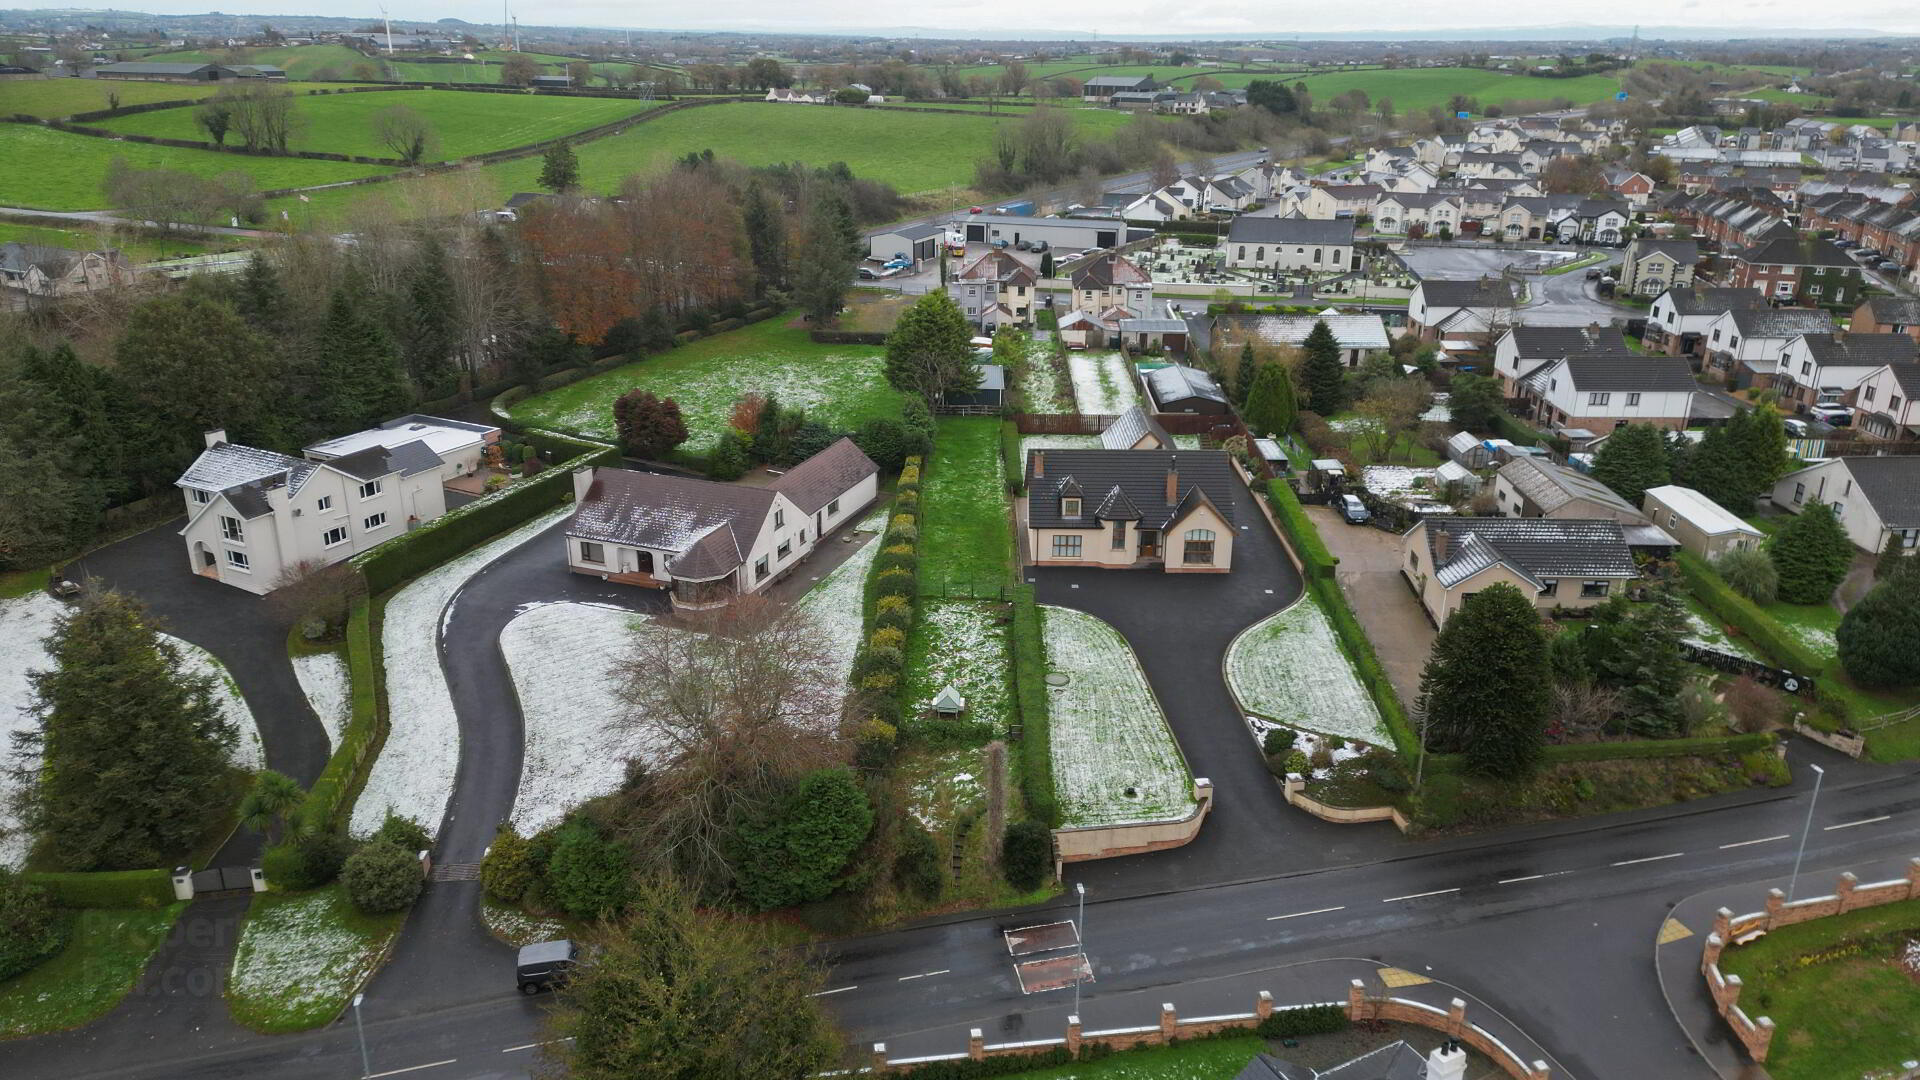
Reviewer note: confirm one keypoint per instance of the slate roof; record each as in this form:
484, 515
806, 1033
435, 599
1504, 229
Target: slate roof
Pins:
374, 462
1176, 382
18, 258
1907, 375
1130, 81
1126, 481
1684, 252
1001, 267
1351, 331
225, 465
1895, 310
673, 514
1469, 292
1892, 485
1781, 322
1557, 342
1535, 548
1702, 301
1551, 486
1796, 251
1607, 372
136, 67
1129, 427
826, 475
1289, 230
1109, 270
1860, 350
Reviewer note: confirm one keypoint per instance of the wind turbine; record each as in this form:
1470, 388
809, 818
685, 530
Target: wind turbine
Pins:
389, 21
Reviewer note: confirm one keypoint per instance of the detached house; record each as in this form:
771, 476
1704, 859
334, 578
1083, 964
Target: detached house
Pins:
1874, 497
1816, 368
1635, 187
1747, 342
1360, 336
1442, 309
1559, 562
1131, 509
1604, 391
1290, 244
1802, 270
1653, 265
1887, 402
996, 290
1418, 214
707, 542
39, 270
1679, 318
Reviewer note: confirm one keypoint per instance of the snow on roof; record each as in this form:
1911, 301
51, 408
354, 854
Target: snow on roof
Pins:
1701, 512
226, 465
443, 437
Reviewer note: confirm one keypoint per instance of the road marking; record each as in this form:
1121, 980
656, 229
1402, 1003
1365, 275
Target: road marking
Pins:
924, 974
411, 1068
1516, 880
1671, 931
1418, 895
1862, 821
842, 989
1297, 914
1650, 858
1398, 977
1762, 840
529, 1046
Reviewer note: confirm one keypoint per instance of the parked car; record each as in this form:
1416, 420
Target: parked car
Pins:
545, 965
1830, 413
1594, 274
1796, 429
1843, 243
867, 273
1353, 511
1023, 246
1040, 245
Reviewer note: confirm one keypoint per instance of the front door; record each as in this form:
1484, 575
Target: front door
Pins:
1149, 544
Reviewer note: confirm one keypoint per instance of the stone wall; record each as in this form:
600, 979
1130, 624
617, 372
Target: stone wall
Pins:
1109, 841
1295, 791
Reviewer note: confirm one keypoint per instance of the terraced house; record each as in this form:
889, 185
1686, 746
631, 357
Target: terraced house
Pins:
1803, 270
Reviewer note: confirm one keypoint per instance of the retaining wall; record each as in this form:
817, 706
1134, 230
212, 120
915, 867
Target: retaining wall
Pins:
1295, 791
1081, 843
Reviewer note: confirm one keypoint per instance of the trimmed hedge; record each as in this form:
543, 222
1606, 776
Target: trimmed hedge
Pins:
1511, 428
1318, 561
1303, 1020
1627, 750
1013, 465
1030, 695
108, 888
1776, 641
1366, 663
327, 801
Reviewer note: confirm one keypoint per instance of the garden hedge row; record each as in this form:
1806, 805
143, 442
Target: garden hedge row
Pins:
327, 802
1030, 695
1012, 463
1632, 749
847, 337
108, 888
1774, 640
1317, 561
880, 685
1509, 427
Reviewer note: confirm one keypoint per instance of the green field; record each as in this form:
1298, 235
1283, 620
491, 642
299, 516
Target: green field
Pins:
68, 168
469, 123
138, 248
63, 97
300, 62
1421, 88
840, 385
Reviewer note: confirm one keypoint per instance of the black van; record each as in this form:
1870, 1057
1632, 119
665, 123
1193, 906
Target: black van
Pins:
546, 965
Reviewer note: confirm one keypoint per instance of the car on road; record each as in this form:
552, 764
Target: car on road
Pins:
545, 965
1832, 413
978, 210
1594, 274
1353, 511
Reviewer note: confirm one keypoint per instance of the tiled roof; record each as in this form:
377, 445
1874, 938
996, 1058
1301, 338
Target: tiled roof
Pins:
1139, 475
1289, 230
1176, 382
1469, 292
1109, 270
1130, 427
1536, 548
374, 462
1557, 342
1684, 252
1860, 350
999, 266
1892, 485
1899, 310
1781, 322
825, 476
1629, 372
671, 514
1796, 251
1703, 301
1551, 486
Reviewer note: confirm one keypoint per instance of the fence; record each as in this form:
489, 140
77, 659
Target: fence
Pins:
1219, 426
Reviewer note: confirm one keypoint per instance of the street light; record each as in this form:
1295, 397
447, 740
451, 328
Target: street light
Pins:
1819, 774
366, 1068
1086, 965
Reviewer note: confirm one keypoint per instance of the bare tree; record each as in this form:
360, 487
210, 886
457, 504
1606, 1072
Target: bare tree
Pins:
1584, 710
263, 115
405, 132
316, 596
1394, 405
518, 70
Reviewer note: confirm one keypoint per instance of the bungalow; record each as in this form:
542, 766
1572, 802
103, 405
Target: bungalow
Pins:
1701, 525
1531, 488
1887, 315
1601, 392
996, 290
1801, 269
707, 542
1653, 265
1887, 402
1821, 368
1523, 350
1680, 317
1360, 336
1131, 509
1180, 389
1561, 563
1874, 497
39, 270
1747, 341
1291, 244
1473, 306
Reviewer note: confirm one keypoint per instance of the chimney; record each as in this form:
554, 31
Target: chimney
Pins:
582, 481
1447, 1062
216, 437
1173, 479
1039, 464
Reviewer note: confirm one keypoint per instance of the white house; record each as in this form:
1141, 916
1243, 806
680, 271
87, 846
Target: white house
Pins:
1360, 336
1679, 318
461, 446
252, 514
1748, 341
1818, 368
1290, 244
1600, 392
1440, 307
1405, 212
1874, 497
1702, 526
1523, 350
1888, 402
708, 542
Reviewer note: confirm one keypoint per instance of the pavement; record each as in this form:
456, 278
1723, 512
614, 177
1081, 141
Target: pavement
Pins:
1369, 575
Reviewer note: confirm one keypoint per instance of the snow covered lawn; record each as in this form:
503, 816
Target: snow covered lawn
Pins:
301, 956
1087, 442
1704, 630
837, 604
516, 927
964, 643
414, 774
323, 678
25, 621
944, 786
1289, 668
1104, 383
247, 752
1039, 383
1114, 758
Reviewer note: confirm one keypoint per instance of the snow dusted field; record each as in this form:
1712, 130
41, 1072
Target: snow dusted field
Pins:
1039, 382
247, 752
1103, 382
1704, 630
323, 678
835, 604
414, 773
1088, 442
964, 643
298, 958
24, 622
1114, 758
1289, 668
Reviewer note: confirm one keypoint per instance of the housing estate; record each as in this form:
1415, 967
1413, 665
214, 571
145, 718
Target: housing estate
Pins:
1654, 265
1523, 350
1824, 367
1131, 509
1680, 317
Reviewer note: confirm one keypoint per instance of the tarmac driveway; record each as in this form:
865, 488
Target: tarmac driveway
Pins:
1369, 575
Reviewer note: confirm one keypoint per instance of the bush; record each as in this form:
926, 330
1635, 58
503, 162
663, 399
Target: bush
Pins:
380, 878
1755, 707
508, 870
304, 861
403, 833
32, 930
885, 441
887, 637
1030, 694
1303, 1020
874, 740
1295, 761
1278, 740
1026, 855
898, 617
588, 875
1315, 559
1812, 553
796, 853
880, 660
917, 867
1388, 773
1438, 803
1765, 767
107, 888
897, 557
896, 582
729, 459
1749, 572
1879, 637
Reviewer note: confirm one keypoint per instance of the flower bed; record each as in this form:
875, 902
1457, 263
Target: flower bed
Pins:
1289, 669
1115, 760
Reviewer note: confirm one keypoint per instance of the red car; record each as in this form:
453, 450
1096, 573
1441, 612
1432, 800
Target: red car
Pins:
976, 210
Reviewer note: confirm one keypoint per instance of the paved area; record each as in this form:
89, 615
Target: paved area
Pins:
1553, 300
1369, 575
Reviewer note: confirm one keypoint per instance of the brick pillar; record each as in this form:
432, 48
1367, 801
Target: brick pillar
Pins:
879, 1062
976, 1045
1456, 1017
1073, 1035
1538, 1071
1168, 1019
1710, 953
1723, 923
1913, 877
1844, 890
1731, 996
1356, 999
1263, 1005
1762, 1039
1776, 901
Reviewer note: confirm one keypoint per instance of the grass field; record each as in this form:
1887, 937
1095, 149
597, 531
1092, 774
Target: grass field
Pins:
48, 98
138, 248
68, 169
301, 956
471, 123
1420, 88
840, 385
963, 509
108, 951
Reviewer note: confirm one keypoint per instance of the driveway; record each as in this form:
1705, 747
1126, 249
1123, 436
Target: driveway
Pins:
1369, 575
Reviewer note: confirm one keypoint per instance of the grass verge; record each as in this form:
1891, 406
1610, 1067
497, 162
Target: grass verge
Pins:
108, 950
302, 956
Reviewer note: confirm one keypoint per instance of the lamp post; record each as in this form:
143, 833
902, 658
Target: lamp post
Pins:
1819, 774
366, 1068
1080, 926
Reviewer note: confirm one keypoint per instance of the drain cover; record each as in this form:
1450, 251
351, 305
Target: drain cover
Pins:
1057, 679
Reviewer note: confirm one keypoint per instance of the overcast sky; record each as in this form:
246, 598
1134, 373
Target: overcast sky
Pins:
1113, 18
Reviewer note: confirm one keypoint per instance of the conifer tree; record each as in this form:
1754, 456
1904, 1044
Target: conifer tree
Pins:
930, 349
261, 298
1812, 553
1324, 379
1485, 689
1879, 637
357, 367
1633, 459
1243, 373
559, 169
1270, 406
427, 328
766, 239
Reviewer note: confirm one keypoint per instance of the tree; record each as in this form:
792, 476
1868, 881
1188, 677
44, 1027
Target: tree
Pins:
508, 870
272, 801
559, 169
729, 458
1271, 96
795, 850
676, 993
824, 260
1026, 855
129, 740
262, 115
1892, 558
1322, 372
648, 426
1243, 370
929, 351
1879, 637
1475, 401
215, 117
1633, 459
1759, 444
1634, 649
1394, 404
261, 298
1572, 174
1811, 552
1270, 405
32, 929
428, 318
766, 238
1164, 170
1485, 690
406, 133
357, 366
518, 70
381, 877
1749, 572
191, 365
588, 872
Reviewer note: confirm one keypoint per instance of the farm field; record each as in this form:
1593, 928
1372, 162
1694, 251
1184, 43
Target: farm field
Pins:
138, 248
301, 62
1420, 88
840, 385
471, 123
48, 98
71, 167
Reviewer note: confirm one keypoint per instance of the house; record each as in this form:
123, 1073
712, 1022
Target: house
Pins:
1135, 429
794, 97
141, 69
1523, 350
1360, 336
1155, 207
1460, 307
1184, 104
1747, 342
1291, 244
1180, 389
1874, 497
1204, 194
1603, 391
1887, 402
1635, 187
1103, 87
707, 542
254, 514
1679, 318
1269, 181
996, 290
1803, 270
1560, 562
1819, 368
461, 446
1887, 315
1653, 265
1416, 215
1327, 201
1129, 509
1596, 221
1701, 525
39, 270
1110, 281
1530, 488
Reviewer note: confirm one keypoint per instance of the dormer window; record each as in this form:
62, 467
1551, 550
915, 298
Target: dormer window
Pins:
1070, 506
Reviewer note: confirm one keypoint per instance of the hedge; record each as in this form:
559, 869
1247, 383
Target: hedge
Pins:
1627, 750
1317, 561
1012, 463
1030, 695
1286, 1023
1510, 428
326, 801
846, 337
1774, 640
107, 889
1359, 648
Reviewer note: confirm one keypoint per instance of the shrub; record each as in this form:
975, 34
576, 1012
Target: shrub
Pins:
1026, 855
897, 533
887, 637
32, 930
1879, 637
1388, 773
1765, 767
381, 877
873, 742
882, 659
917, 867
304, 861
729, 458
1812, 553
107, 888
588, 874
895, 582
1304, 1020
1755, 707
1296, 761
403, 833
898, 617
795, 853
883, 440
894, 559
508, 870
1749, 572
1278, 740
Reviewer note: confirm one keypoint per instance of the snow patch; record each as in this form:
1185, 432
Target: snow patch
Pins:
323, 678
1104, 383
25, 622
300, 954
1087, 442
1707, 634
837, 604
963, 643
1290, 668
194, 660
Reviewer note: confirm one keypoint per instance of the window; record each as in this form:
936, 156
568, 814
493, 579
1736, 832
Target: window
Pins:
760, 569
1733, 342
202, 497
1549, 587
1893, 403
1716, 335
1066, 547
593, 553
1119, 536
1259, 254
1594, 588
833, 508
1070, 506
335, 535
238, 560
231, 529
1633, 400
1838, 295
785, 549
325, 504
369, 489
1598, 399
779, 519
1199, 548
1813, 290
1243, 252
1867, 391
374, 521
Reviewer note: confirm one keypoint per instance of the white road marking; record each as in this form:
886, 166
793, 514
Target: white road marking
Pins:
1762, 840
1418, 895
529, 1046
1297, 914
835, 990
1650, 858
923, 975
1517, 880
1862, 821
411, 1068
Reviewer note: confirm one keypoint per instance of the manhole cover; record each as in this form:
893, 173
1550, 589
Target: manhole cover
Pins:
1057, 679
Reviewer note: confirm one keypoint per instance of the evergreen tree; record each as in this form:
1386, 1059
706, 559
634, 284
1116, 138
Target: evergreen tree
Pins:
357, 367
559, 169
1485, 689
63, 399
1892, 559
1712, 471
428, 332
1758, 441
648, 426
1635, 649
1270, 406
796, 850
1322, 373
45, 512
1633, 459
1243, 373
928, 352
766, 239
261, 298
1879, 637
1812, 553
824, 264
1475, 401
191, 364
130, 741
764, 441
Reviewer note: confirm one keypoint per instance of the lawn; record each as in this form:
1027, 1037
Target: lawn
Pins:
840, 385
137, 247
1104, 383
1812, 624
963, 644
1289, 668
1422, 88
68, 169
1212, 1059
1115, 760
466, 123
301, 956
966, 539
1834, 989
108, 951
